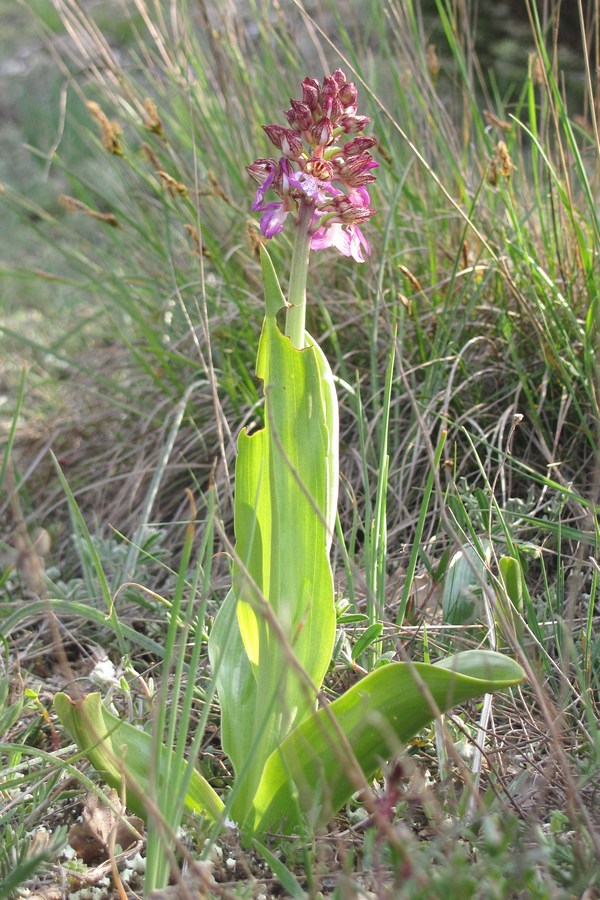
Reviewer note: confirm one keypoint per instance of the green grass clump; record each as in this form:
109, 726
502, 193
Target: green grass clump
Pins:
465, 353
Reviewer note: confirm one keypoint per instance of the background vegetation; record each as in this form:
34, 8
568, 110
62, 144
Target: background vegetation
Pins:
131, 307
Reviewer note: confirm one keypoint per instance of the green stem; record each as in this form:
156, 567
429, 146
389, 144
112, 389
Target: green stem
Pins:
295, 321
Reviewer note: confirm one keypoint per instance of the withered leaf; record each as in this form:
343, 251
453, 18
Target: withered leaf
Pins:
101, 828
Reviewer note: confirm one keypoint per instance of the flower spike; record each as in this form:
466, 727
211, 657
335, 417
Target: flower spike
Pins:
319, 183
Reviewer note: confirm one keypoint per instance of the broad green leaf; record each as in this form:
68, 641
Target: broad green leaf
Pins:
311, 770
286, 482
124, 754
512, 576
461, 602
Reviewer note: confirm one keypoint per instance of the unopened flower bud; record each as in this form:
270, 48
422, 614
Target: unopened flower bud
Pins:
352, 124
347, 94
329, 89
283, 176
321, 132
285, 140
358, 145
335, 110
339, 77
299, 116
310, 93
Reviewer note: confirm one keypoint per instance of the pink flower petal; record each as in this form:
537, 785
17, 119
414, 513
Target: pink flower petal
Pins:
348, 239
274, 216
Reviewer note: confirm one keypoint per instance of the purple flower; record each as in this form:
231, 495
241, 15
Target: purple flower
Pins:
352, 208
355, 170
339, 227
317, 175
281, 177
315, 189
283, 180
263, 171
273, 219
348, 239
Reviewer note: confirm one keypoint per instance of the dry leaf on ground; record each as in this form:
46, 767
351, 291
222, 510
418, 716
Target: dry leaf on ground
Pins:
102, 829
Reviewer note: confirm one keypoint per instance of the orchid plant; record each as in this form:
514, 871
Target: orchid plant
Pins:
297, 759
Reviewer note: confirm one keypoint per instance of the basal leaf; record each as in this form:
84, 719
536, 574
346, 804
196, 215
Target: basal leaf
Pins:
311, 770
286, 482
122, 753
461, 602
512, 576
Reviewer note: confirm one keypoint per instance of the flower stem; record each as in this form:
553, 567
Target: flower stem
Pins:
295, 321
